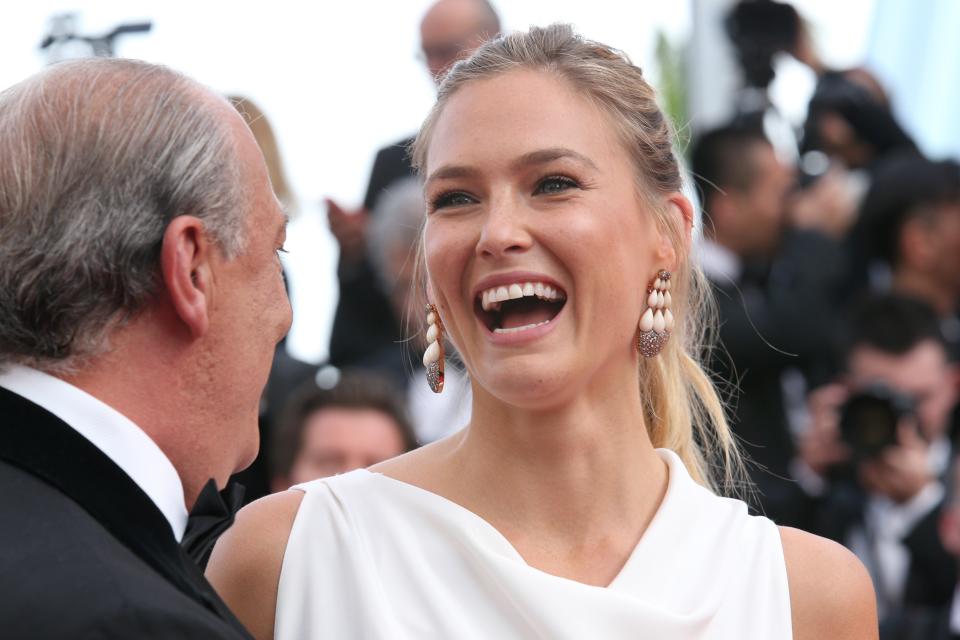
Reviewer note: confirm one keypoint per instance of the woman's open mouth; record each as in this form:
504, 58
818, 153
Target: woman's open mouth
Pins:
519, 306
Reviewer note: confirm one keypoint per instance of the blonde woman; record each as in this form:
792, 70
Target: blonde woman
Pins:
578, 502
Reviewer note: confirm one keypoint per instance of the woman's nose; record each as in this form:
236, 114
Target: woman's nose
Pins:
505, 230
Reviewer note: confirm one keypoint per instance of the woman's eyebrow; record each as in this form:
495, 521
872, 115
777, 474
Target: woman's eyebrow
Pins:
544, 156
449, 171
541, 156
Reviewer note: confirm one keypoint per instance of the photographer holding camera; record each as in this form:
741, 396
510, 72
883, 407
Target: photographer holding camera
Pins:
875, 455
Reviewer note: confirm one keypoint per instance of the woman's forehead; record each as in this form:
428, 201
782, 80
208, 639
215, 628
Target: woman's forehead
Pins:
516, 113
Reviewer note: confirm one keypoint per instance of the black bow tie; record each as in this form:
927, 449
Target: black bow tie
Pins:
210, 517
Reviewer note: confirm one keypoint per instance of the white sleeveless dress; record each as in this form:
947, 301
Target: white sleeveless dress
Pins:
373, 557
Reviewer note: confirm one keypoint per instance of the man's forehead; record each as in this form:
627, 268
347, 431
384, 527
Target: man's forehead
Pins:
452, 18
921, 366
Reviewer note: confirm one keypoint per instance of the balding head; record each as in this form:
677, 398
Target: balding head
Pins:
452, 29
97, 157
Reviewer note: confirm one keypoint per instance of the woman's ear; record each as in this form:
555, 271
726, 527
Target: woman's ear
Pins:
680, 211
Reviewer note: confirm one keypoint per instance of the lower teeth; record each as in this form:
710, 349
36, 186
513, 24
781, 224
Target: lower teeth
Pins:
523, 328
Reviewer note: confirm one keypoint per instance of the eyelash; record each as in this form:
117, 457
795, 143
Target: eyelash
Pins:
447, 199
567, 182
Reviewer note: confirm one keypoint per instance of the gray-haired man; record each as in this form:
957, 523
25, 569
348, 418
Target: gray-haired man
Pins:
140, 302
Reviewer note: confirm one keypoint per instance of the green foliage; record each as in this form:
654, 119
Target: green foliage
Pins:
672, 64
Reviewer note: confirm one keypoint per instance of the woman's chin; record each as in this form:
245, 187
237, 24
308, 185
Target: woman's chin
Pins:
530, 387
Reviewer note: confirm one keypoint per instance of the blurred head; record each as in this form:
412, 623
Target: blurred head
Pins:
760, 29
547, 161
354, 425
138, 231
849, 118
392, 238
744, 188
452, 29
911, 215
895, 341
267, 141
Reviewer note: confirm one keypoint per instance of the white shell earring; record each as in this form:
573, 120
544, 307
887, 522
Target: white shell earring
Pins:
656, 323
433, 356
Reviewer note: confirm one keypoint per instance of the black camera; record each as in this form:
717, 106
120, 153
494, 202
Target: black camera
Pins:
870, 418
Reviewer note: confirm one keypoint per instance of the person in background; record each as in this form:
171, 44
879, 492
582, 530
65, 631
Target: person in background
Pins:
876, 452
849, 118
358, 423
776, 287
364, 322
394, 233
263, 133
910, 227
141, 301
944, 624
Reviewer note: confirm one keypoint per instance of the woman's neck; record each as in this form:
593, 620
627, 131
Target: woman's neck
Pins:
580, 478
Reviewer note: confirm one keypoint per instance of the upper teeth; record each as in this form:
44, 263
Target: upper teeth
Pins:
491, 298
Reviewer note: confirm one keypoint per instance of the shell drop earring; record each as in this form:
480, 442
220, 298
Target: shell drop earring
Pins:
433, 357
657, 321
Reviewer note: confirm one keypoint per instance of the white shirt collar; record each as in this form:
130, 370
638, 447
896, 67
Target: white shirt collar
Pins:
119, 438
719, 263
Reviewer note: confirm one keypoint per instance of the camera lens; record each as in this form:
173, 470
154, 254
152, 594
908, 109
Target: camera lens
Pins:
869, 420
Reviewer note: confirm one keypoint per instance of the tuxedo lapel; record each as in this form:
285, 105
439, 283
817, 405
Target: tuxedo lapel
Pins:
36, 441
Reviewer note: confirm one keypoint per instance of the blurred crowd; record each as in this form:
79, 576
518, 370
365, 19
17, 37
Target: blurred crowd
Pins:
834, 253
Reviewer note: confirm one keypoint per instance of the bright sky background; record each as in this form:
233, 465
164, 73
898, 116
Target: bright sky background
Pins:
338, 80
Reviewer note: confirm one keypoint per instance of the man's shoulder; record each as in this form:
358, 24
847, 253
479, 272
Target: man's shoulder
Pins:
64, 575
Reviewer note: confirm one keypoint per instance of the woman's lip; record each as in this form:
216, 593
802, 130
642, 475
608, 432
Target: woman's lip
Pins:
514, 338
503, 279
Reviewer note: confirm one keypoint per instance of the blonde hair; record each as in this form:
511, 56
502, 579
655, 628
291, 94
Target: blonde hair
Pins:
682, 408
267, 141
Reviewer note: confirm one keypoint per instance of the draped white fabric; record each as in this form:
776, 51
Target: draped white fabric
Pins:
373, 557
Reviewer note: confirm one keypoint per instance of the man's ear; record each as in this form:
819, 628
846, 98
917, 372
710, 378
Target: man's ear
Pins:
185, 268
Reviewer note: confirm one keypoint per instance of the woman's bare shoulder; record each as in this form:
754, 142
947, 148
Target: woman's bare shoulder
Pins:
245, 565
831, 595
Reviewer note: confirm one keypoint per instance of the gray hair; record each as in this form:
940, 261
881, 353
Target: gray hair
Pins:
397, 223
97, 156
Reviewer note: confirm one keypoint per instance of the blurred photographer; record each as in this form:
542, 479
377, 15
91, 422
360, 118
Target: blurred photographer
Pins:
876, 453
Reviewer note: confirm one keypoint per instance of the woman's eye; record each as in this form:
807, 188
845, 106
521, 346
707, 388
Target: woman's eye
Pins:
452, 199
556, 184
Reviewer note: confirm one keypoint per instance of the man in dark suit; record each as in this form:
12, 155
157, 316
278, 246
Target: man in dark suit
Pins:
776, 289
140, 303
876, 455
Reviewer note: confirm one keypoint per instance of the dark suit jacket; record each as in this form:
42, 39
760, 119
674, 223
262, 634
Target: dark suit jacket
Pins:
84, 553
777, 316
364, 325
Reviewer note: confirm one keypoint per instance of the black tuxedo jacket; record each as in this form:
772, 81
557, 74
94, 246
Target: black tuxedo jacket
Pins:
84, 553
